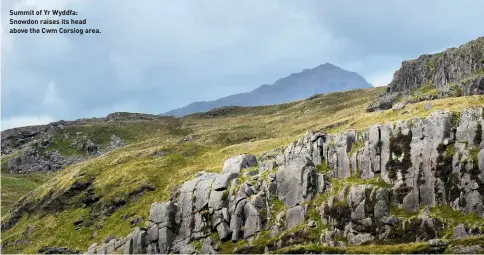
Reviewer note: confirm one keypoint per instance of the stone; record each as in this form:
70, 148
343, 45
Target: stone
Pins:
274, 230
295, 216
202, 191
296, 182
359, 212
460, 232
427, 107
253, 221
390, 220
165, 239
235, 227
222, 181
312, 224
357, 194
92, 249
162, 213
223, 231
218, 199
128, 247
360, 239
238, 163
437, 243
139, 241
321, 183
398, 106
207, 246
467, 249
153, 233
151, 249
382, 209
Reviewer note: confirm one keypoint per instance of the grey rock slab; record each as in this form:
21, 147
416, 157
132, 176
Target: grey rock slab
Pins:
238, 163
207, 246
359, 212
202, 193
153, 233
223, 231
296, 182
222, 181
460, 232
295, 216
359, 239
162, 212
217, 199
165, 239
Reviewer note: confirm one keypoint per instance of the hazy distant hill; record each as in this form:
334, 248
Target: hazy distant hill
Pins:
321, 79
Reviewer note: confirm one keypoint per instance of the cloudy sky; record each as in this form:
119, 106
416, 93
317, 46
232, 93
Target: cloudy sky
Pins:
156, 55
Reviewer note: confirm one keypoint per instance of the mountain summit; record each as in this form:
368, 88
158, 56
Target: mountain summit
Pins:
321, 79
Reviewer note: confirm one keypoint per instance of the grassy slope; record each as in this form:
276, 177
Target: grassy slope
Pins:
217, 136
14, 186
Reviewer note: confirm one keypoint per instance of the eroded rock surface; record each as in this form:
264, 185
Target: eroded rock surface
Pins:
454, 72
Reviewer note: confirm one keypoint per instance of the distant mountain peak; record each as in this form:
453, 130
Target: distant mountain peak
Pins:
324, 78
328, 65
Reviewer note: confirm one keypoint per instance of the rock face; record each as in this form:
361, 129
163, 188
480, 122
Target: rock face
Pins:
454, 72
38, 156
421, 163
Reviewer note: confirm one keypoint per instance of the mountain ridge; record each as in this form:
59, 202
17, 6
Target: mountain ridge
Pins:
323, 78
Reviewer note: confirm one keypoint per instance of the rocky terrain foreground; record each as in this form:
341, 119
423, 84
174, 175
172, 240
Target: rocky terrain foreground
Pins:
392, 183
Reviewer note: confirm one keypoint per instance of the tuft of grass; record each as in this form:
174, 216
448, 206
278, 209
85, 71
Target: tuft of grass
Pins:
409, 248
323, 167
452, 218
311, 249
356, 146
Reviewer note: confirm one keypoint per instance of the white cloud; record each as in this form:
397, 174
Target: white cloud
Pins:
52, 98
380, 79
22, 121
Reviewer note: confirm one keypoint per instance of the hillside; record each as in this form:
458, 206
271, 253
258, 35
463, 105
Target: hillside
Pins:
107, 196
321, 79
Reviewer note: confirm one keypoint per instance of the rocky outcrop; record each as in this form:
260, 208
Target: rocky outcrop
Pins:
454, 72
421, 163
39, 157
18, 138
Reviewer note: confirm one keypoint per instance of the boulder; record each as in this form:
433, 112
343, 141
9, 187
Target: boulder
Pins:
238, 163
460, 232
296, 182
163, 213
295, 216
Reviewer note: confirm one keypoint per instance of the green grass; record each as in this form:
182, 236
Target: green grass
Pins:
14, 186
427, 91
378, 182
412, 248
323, 167
218, 135
356, 146
452, 218
310, 248
401, 213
